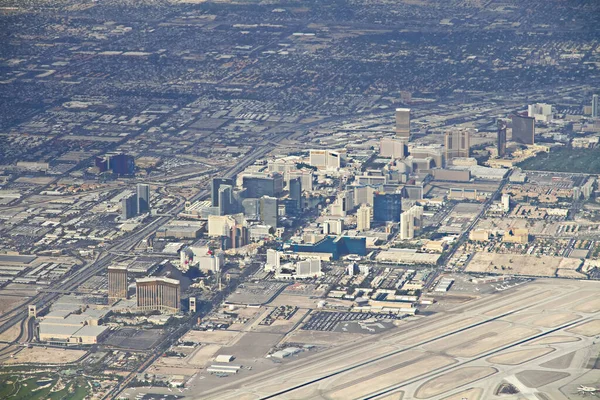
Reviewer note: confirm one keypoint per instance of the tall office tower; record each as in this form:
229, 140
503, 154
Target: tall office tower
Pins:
295, 186
258, 185
273, 260
192, 304
387, 207
306, 176
501, 145
238, 236
118, 163
251, 208
158, 293
523, 129
595, 105
225, 199
506, 202
129, 206
393, 148
268, 211
403, 123
363, 218
433, 153
214, 189
540, 112
457, 143
325, 159
363, 194
409, 220
143, 198
117, 282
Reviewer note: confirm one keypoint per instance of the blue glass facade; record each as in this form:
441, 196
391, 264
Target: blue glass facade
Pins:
338, 246
387, 207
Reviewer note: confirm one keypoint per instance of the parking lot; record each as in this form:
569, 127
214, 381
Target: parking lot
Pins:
328, 321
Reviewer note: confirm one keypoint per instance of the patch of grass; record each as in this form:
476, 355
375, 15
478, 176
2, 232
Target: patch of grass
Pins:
565, 160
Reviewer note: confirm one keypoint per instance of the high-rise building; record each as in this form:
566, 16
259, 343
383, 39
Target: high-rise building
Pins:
540, 112
325, 159
273, 260
238, 236
269, 210
143, 198
258, 185
363, 194
363, 218
158, 293
129, 206
225, 199
117, 282
387, 207
393, 148
457, 143
595, 106
409, 221
403, 123
501, 145
117, 163
506, 202
308, 268
306, 176
333, 227
523, 129
295, 186
214, 189
251, 208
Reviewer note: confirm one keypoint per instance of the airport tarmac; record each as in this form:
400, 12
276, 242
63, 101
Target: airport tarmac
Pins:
524, 336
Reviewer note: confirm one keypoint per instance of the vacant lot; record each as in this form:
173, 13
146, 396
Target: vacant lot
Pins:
518, 264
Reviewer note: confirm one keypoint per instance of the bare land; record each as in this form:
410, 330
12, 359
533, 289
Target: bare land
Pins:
39, 355
519, 356
519, 264
453, 380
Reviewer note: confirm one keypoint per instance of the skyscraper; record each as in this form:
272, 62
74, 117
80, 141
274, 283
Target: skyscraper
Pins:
363, 218
458, 144
225, 199
263, 185
143, 198
214, 189
501, 145
158, 293
117, 282
238, 236
409, 220
393, 148
268, 211
595, 105
295, 187
118, 163
129, 206
403, 123
523, 129
387, 207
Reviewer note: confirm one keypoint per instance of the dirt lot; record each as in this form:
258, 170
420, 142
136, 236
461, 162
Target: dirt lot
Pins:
203, 355
591, 328
520, 356
214, 337
40, 355
7, 303
481, 339
381, 381
518, 264
469, 394
452, 380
